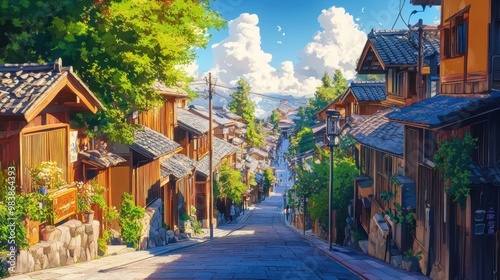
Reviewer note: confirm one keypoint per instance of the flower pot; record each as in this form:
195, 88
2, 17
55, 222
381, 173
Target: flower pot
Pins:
88, 216
47, 231
43, 190
410, 265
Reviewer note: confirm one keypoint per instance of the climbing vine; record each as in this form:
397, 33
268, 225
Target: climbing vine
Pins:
453, 159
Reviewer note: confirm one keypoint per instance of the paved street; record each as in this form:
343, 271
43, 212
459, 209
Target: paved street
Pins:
259, 247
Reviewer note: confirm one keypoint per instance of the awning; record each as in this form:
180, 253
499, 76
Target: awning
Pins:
177, 165
100, 160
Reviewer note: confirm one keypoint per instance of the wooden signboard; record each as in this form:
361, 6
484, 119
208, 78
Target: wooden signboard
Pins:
64, 202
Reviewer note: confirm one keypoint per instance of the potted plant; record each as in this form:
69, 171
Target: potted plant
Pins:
47, 175
88, 195
411, 260
47, 231
85, 193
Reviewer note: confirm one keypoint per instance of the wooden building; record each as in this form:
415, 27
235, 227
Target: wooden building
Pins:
379, 143
147, 174
225, 129
457, 243
37, 103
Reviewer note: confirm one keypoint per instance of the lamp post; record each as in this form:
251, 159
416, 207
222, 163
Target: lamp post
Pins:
332, 132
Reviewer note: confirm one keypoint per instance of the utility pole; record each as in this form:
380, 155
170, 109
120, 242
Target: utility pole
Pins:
420, 76
211, 155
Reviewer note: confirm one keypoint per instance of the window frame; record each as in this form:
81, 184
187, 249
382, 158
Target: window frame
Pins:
456, 35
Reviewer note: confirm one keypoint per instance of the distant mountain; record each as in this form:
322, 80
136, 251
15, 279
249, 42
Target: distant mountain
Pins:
263, 108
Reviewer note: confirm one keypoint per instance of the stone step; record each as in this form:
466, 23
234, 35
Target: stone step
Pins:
118, 250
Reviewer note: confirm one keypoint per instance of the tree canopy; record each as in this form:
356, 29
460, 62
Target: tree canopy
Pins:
230, 183
242, 105
313, 182
327, 92
119, 48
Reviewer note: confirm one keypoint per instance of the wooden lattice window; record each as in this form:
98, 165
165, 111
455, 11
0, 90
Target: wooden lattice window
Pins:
47, 145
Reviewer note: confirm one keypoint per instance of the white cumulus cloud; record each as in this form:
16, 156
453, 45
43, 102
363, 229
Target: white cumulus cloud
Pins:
337, 46
240, 55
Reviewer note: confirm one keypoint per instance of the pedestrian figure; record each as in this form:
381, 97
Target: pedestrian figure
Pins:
287, 211
232, 212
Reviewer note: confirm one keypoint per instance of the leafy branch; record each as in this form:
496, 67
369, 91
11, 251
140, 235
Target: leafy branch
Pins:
453, 159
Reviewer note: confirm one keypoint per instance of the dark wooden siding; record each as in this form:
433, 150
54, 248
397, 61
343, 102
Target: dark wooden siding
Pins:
148, 182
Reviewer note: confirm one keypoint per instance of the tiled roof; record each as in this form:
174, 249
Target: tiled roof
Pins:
177, 165
378, 133
368, 91
446, 109
399, 47
221, 149
100, 160
165, 90
24, 86
226, 113
317, 128
485, 175
216, 117
192, 122
259, 152
152, 144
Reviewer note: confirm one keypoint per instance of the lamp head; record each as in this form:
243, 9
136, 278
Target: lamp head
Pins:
332, 126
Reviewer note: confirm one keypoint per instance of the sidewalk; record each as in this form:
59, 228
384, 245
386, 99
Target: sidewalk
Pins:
365, 266
111, 262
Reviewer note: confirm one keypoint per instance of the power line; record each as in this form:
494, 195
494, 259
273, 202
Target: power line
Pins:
401, 5
259, 94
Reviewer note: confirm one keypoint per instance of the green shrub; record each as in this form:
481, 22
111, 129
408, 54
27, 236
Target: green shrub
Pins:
131, 217
197, 227
184, 217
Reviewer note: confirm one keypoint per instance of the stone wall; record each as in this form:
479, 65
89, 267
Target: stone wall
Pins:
70, 243
153, 233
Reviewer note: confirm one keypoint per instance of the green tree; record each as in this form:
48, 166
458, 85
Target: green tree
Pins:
326, 93
274, 118
302, 141
313, 182
118, 47
241, 103
255, 134
268, 179
231, 184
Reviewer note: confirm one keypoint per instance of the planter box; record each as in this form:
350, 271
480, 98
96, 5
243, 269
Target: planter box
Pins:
64, 202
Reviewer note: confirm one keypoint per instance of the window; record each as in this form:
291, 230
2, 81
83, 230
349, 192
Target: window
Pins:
480, 154
433, 86
430, 146
395, 82
367, 160
455, 35
355, 108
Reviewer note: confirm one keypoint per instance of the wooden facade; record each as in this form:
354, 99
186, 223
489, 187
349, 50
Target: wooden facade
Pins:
146, 181
31, 134
450, 238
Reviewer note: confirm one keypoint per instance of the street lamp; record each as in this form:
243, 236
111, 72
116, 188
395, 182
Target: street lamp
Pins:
332, 132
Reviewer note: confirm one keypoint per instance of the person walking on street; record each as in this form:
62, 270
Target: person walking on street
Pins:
287, 211
232, 212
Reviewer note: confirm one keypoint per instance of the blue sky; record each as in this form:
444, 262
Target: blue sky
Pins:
313, 37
